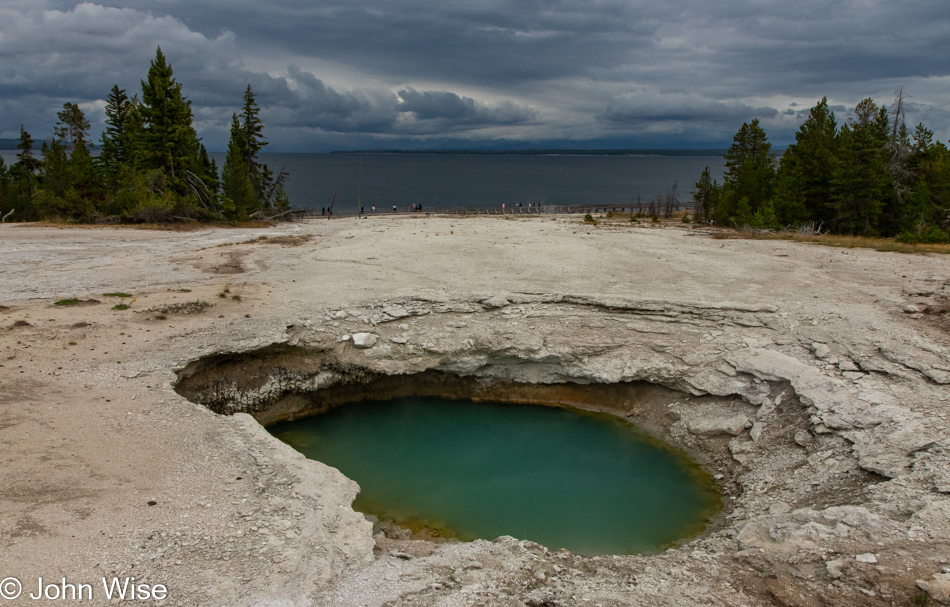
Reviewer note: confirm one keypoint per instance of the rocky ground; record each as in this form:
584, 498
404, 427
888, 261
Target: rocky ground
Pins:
812, 381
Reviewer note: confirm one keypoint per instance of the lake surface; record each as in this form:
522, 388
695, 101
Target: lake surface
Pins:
468, 180
590, 483
474, 180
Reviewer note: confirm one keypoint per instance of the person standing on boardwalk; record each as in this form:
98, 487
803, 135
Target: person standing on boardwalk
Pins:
394, 208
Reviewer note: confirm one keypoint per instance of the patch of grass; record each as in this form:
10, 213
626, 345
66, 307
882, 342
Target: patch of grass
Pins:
117, 294
185, 308
72, 343
844, 241
921, 600
590, 219
222, 295
184, 290
121, 306
71, 301
236, 297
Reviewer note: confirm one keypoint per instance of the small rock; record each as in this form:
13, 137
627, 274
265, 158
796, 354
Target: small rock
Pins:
867, 557
396, 312
821, 350
496, 302
834, 568
756, 431
911, 309
402, 339
767, 409
456, 324
364, 340
779, 508
340, 314
803, 438
397, 533
938, 588
400, 555
711, 426
345, 338
846, 364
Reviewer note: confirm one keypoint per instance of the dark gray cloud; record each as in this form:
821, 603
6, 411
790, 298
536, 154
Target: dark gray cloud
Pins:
335, 72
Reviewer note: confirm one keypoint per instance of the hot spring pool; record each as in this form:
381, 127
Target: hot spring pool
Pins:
590, 483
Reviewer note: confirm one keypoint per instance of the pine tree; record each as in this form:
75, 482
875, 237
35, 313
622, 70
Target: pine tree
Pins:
750, 170
114, 144
54, 176
23, 177
72, 127
239, 193
862, 181
25, 158
248, 185
260, 175
73, 131
6, 191
134, 135
705, 197
925, 214
803, 188
252, 128
169, 141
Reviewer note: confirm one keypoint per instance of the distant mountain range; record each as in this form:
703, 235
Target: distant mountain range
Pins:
10, 144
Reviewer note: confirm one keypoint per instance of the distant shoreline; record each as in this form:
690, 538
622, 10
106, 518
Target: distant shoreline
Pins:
624, 152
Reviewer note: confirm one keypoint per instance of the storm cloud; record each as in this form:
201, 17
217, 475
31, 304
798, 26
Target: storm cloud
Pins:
338, 74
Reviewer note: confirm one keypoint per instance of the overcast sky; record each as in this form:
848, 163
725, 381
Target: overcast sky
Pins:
352, 74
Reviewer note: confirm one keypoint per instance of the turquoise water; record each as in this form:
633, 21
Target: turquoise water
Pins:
586, 482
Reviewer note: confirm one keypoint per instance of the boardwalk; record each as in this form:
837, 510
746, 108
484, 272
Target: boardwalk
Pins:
571, 209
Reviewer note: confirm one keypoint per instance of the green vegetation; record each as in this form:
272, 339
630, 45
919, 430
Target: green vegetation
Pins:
869, 178
125, 295
152, 166
189, 307
72, 301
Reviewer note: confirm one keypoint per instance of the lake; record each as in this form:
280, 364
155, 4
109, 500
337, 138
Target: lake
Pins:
460, 180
